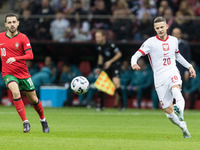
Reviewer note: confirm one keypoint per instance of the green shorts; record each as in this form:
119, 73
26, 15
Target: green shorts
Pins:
24, 84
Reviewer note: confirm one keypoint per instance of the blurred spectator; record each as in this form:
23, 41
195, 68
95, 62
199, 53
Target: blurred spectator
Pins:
133, 5
69, 72
121, 25
31, 5
32, 68
27, 25
48, 62
190, 87
164, 5
45, 11
59, 27
11, 5
190, 29
41, 78
192, 3
80, 30
100, 23
125, 77
184, 50
108, 5
185, 8
120, 5
92, 89
147, 7
168, 15
144, 30
141, 82
154, 98
197, 10
178, 22
63, 5
2, 86
86, 5
77, 12
24, 5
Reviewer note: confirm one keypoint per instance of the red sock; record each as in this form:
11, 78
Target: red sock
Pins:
19, 105
38, 107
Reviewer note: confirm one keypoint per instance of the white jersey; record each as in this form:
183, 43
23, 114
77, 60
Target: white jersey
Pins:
162, 57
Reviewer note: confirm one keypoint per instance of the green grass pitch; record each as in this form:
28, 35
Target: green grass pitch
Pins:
86, 129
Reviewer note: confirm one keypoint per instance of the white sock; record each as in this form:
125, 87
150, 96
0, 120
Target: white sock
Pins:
43, 120
180, 102
25, 121
174, 119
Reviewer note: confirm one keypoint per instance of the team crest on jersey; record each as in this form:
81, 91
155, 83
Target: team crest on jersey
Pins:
17, 45
165, 46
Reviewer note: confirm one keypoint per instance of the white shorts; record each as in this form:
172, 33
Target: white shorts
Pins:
164, 91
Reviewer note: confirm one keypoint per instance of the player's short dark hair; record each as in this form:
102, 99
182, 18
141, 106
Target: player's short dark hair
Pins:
11, 15
102, 32
159, 19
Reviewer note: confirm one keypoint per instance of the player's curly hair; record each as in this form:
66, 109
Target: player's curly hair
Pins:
11, 15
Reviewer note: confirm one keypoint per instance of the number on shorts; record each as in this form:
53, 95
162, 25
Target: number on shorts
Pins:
30, 82
174, 79
161, 103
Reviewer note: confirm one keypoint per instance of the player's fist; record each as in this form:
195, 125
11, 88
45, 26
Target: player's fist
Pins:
192, 72
136, 67
10, 60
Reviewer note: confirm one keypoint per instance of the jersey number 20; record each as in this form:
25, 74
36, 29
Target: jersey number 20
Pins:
166, 61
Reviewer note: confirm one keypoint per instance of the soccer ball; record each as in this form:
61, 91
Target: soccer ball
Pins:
80, 85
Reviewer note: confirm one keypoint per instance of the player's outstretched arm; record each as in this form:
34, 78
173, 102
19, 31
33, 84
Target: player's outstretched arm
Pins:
192, 72
134, 60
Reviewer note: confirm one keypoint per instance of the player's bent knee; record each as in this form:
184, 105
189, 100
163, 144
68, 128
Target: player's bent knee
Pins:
16, 94
34, 100
169, 109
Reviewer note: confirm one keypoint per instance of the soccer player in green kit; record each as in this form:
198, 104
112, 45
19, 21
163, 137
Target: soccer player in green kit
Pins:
15, 49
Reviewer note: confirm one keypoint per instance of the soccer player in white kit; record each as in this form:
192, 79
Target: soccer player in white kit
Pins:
163, 53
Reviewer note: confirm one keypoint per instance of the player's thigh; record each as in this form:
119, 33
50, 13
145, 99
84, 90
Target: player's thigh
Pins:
14, 88
169, 109
165, 96
13, 84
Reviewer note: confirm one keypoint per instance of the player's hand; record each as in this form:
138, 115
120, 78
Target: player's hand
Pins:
97, 71
107, 64
136, 67
11, 60
192, 72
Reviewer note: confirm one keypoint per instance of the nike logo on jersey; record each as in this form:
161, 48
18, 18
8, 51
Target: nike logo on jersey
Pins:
166, 54
1, 43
